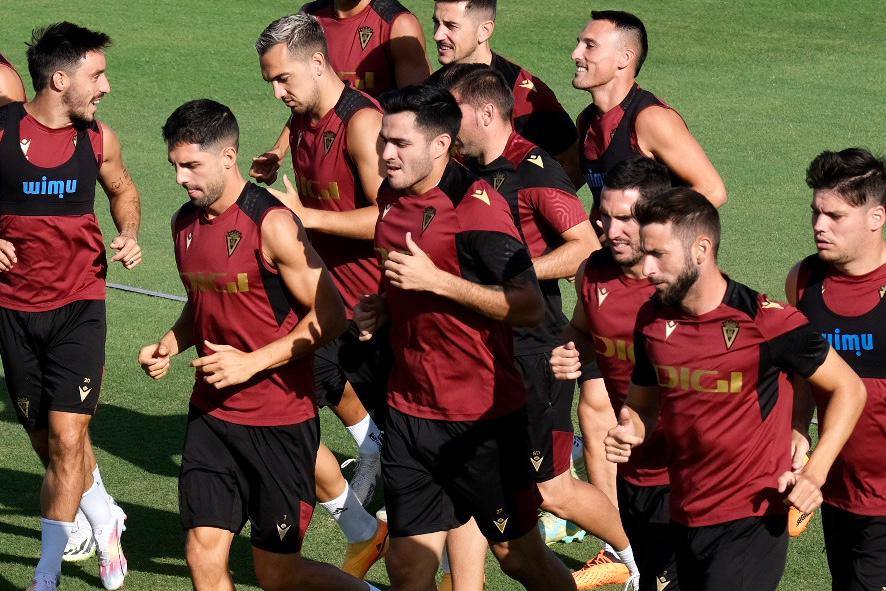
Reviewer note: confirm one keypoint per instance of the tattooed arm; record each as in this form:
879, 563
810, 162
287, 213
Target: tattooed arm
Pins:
123, 196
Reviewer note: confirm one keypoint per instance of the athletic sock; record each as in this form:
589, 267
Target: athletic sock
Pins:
444, 563
53, 539
627, 557
352, 518
367, 436
96, 505
610, 550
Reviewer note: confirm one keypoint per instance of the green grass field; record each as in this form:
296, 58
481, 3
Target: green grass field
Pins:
764, 86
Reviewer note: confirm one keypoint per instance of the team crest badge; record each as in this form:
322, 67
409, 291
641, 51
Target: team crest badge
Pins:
882, 291
283, 526
536, 159
497, 180
602, 294
482, 195
670, 327
24, 405
527, 84
25, 146
427, 218
233, 239
536, 458
365, 36
730, 331
328, 140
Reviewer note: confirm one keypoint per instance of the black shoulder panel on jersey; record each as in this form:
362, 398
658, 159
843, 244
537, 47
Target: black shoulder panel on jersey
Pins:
813, 270
256, 201
3, 111
742, 298
538, 169
602, 257
509, 70
281, 300
315, 6
388, 10
456, 181
350, 102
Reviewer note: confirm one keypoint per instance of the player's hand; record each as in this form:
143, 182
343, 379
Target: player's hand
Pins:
799, 448
226, 366
622, 438
565, 362
369, 314
414, 271
292, 200
805, 493
264, 168
7, 255
129, 253
155, 360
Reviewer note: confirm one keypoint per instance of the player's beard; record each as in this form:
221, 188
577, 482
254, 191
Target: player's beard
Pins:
630, 259
675, 292
211, 193
78, 106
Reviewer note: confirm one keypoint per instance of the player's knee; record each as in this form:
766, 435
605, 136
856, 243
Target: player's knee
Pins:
512, 559
277, 579
66, 444
205, 561
408, 571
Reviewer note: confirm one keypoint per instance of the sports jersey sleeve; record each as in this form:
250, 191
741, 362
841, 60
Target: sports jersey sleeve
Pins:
794, 346
561, 210
491, 258
539, 116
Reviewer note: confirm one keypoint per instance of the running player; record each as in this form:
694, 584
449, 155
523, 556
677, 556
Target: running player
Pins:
52, 280
456, 278
259, 303
842, 290
462, 31
11, 87
624, 120
710, 355
553, 224
610, 289
334, 132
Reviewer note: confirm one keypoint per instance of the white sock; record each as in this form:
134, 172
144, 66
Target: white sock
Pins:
627, 557
352, 518
97, 477
578, 449
444, 564
53, 539
367, 436
96, 505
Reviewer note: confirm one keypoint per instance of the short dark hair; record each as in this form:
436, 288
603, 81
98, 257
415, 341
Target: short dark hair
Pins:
478, 84
60, 46
629, 24
688, 211
855, 174
436, 111
489, 7
650, 177
302, 33
204, 122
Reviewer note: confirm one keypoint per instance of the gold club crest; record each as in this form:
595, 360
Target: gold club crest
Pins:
499, 178
730, 331
427, 218
233, 239
328, 140
365, 36
24, 405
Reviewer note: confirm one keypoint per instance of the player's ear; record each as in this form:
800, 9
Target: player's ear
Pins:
318, 63
487, 114
59, 80
626, 58
440, 145
703, 249
877, 217
229, 157
485, 30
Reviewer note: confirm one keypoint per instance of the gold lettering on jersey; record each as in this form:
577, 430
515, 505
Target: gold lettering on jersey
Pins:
730, 331
365, 35
699, 380
602, 294
618, 348
233, 239
882, 291
316, 190
670, 327
497, 180
427, 218
536, 159
365, 83
536, 458
215, 282
527, 84
482, 195
328, 140
770, 305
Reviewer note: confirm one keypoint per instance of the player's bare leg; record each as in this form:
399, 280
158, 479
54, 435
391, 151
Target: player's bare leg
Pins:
583, 504
206, 551
528, 561
467, 547
288, 572
412, 561
595, 418
66, 477
362, 427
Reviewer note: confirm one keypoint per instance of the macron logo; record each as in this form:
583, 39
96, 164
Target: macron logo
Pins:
50, 187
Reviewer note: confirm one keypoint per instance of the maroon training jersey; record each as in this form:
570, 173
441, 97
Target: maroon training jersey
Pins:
328, 179
725, 405
543, 204
611, 301
850, 312
360, 45
237, 298
608, 138
47, 198
451, 363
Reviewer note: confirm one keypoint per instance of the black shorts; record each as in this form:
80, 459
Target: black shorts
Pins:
742, 555
856, 547
366, 365
53, 360
646, 517
233, 472
549, 410
439, 474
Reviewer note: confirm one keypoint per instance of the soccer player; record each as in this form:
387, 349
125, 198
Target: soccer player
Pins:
842, 289
334, 131
52, 280
462, 32
457, 277
551, 220
710, 360
610, 289
624, 120
260, 302
11, 87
